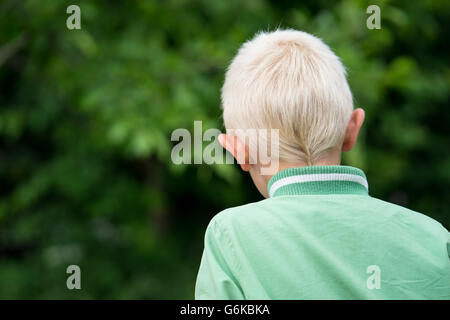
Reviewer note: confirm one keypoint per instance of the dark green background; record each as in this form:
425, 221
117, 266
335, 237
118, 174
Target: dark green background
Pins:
86, 118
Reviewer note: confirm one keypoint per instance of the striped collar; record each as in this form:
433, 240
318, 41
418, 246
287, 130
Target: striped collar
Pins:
318, 180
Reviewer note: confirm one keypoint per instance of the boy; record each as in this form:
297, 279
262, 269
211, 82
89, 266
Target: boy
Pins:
318, 235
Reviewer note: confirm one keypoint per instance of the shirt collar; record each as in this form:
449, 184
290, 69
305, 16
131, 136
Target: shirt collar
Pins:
318, 180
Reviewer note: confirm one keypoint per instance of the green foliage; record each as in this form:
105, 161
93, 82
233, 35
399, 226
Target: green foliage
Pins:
86, 118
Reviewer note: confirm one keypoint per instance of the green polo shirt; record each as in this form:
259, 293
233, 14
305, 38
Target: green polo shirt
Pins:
321, 236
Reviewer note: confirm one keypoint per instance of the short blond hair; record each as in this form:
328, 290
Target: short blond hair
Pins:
289, 80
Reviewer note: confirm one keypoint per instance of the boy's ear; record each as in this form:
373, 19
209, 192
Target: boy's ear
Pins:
352, 131
239, 151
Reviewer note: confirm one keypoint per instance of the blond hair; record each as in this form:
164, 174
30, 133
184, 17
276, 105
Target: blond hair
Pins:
291, 81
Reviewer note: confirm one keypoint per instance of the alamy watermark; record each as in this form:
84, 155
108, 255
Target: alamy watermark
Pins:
74, 280
74, 20
261, 147
374, 20
374, 280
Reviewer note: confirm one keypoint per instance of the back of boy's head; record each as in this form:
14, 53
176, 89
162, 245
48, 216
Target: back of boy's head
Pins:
291, 81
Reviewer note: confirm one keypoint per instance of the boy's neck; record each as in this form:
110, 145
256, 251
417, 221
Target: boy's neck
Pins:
333, 158
261, 181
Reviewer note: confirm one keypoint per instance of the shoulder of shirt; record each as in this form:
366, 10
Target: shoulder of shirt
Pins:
239, 214
247, 213
406, 212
